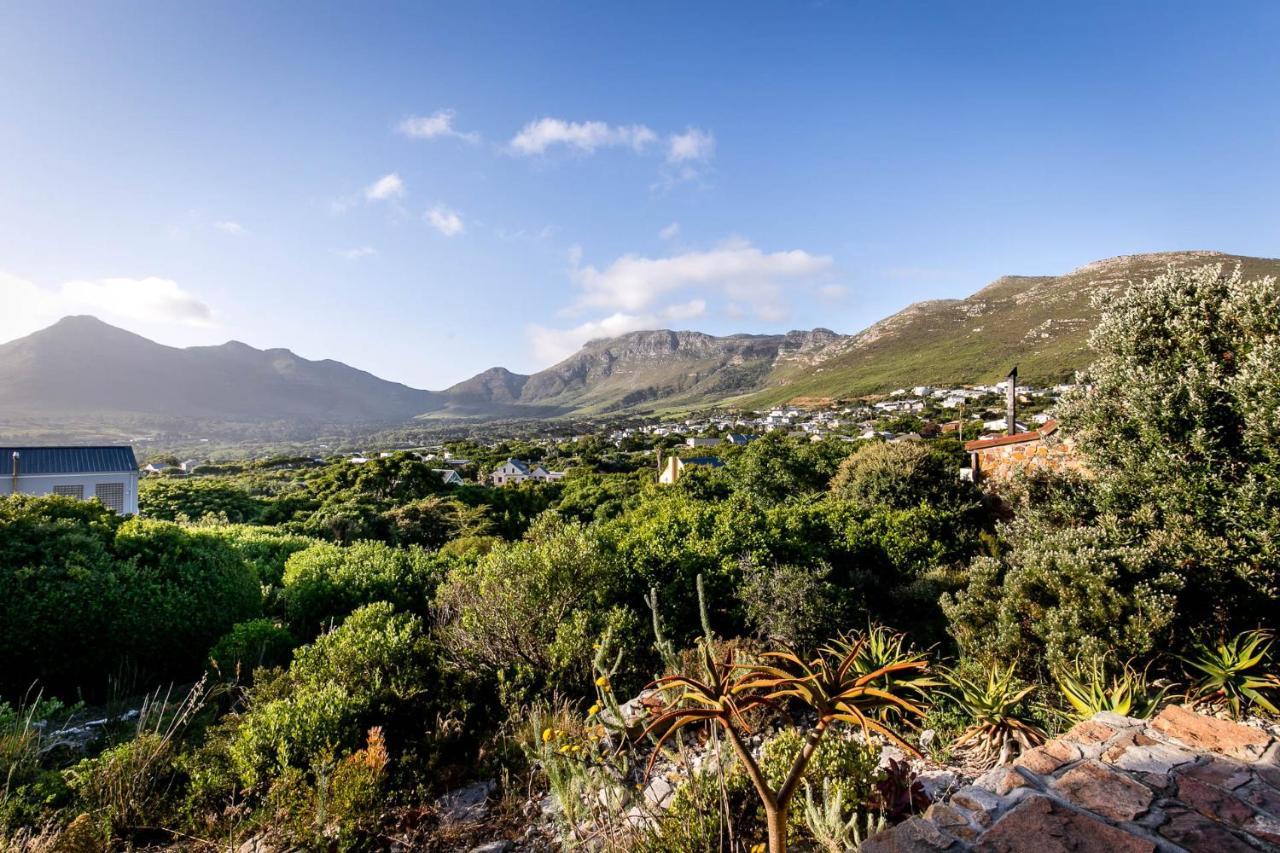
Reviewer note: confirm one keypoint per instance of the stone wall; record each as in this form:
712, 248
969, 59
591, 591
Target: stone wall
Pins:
1002, 461
1180, 782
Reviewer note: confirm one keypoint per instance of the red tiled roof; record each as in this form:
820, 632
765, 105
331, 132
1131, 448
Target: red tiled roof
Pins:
1017, 438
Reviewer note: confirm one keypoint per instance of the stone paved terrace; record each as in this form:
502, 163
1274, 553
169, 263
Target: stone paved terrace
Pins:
1181, 781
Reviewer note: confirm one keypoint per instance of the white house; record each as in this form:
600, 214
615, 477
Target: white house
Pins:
516, 471
109, 474
702, 442
448, 476
674, 469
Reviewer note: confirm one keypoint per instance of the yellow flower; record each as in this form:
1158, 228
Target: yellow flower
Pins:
547, 734
602, 681
593, 710
759, 848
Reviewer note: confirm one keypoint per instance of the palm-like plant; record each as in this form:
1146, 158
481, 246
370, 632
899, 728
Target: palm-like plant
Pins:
829, 684
994, 711
1233, 671
1090, 687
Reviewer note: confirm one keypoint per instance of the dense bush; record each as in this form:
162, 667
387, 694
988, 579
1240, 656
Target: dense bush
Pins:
325, 582
85, 598
531, 610
901, 475
1175, 529
377, 668
265, 549
194, 498
250, 645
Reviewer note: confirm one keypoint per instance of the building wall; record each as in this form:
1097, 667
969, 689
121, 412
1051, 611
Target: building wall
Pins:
1003, 461
47, 484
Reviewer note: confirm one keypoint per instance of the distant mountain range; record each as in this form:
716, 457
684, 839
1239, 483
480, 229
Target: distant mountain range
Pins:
81, 367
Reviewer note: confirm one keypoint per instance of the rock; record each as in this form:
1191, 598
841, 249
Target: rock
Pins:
926, 739
1263, 798
981, 802
1002, 780
1210, 733
1264, 827
951, 819
502, 846
1115, 796
1213, 802
1156, 759
1042, 825
658, 791
1196, 832
1115, 721
1219, 772
914, 835
469, 803
1049, 757
937, 783
1089, 732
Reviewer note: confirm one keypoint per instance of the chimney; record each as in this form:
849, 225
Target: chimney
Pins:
658, 450
1011, 401
13, 489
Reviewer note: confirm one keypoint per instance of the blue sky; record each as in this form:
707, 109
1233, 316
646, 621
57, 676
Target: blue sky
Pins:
425, 191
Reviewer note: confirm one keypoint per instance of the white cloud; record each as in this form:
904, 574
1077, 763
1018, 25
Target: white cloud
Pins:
446, 221
692, 145
385, 188
235, 229
553, 345
356, 253
438, 124
686, 310
832, 292
538, 136
150, 301
670, 232
735, 268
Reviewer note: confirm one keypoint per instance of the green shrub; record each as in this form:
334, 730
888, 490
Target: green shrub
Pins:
843, 762
376, 668
194, 498
325, 582
250, 645
264, 549
186, 588
129, 786
901, 474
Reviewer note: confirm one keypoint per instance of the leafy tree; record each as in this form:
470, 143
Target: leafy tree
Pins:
1175, 530
197, 497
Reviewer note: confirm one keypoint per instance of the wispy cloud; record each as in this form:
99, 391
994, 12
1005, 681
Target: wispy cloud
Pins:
448, 222
435, 126
148, 301
538, 136
356, 253
735, 268
386, 188
692, 145
671, 232
636, 292
227, 226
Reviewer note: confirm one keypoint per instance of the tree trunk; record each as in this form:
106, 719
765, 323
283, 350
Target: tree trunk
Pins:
776, 821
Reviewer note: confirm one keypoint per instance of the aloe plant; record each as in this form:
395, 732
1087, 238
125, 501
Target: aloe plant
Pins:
995, 711
1091, 686
825, 819
829, 684
1234, 671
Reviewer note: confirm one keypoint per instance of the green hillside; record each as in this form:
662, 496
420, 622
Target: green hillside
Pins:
1040, 323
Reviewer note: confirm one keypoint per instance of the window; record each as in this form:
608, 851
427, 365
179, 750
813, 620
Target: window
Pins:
76, 492
111, 495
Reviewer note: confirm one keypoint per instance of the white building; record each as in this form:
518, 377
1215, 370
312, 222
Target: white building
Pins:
109, 474
516, 471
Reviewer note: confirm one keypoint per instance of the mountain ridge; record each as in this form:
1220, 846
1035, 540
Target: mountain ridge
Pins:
81, 366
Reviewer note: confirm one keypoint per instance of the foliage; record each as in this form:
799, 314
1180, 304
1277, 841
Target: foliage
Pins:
1234, 672
900, 474
264, 549
795, 605
1176, 530
997, 712
825, 685
376, 668
1090, 685
845, 765
84, 596
194, 498
825, 818
249, 646
531, 610
325, 582
28, 788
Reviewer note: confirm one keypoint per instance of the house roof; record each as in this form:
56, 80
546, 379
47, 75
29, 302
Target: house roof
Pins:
519, 466
68, 460
1049, 428
713, 461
